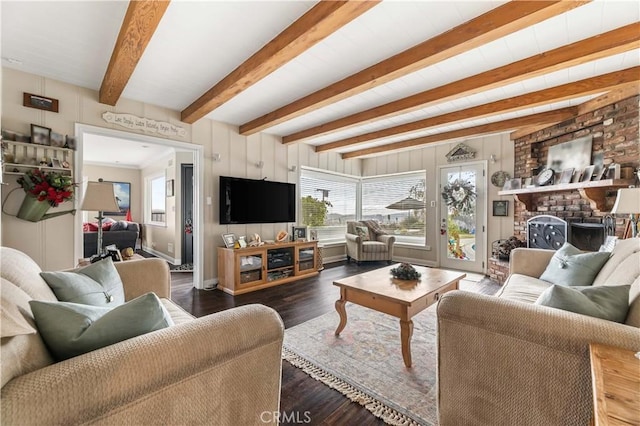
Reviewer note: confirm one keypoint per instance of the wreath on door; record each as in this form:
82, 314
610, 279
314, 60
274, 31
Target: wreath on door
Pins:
459, 196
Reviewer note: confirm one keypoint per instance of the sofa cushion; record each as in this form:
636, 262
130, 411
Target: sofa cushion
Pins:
572, 267
374, 228
22, 348
374, 247
15, 315
523, 288
133, 226
120, 225
177, 314
363, 233
98, 284
610, 303
623, 267
19, 269
71, 329
633, 316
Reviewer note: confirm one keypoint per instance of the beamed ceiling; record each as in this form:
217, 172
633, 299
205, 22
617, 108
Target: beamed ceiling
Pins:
360, 78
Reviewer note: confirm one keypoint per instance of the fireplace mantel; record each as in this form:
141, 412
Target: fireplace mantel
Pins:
594, 191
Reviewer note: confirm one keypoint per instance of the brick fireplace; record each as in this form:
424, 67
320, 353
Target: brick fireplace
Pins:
614, 129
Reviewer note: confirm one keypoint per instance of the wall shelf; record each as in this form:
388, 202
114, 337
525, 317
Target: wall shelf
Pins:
594, 191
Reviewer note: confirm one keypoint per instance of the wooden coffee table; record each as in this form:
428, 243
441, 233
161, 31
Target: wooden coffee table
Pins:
379, 291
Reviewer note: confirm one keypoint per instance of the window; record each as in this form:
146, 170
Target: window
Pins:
397, 202
328, 201
156, 198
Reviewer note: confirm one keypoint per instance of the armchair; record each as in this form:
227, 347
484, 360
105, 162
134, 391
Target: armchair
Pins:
375, 244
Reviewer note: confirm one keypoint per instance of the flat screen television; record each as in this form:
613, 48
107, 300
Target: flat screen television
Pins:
256, 201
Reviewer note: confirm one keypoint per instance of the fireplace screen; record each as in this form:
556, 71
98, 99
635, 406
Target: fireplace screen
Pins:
546, 232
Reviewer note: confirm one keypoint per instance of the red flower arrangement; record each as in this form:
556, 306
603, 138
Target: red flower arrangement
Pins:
55, 188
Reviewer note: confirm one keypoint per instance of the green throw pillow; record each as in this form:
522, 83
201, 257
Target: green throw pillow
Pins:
363, 233
572, 267
72, 329
606, 302
98, 284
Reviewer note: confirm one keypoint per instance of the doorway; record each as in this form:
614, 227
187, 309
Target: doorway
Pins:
186, 177
463, 217
81, 130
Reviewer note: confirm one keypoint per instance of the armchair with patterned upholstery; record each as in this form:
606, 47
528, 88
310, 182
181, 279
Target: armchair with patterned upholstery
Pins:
367, 241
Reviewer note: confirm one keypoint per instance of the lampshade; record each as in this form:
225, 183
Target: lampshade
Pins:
627, 202
100, 197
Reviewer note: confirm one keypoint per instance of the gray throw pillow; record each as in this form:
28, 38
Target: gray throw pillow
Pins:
72, 329
120, 225
606, 302
572, 267
98, 284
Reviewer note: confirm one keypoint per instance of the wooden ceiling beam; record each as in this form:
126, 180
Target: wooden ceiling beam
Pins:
501, 21
613, 42
563, 92
320, 21
554, 116
139, 24
616, 94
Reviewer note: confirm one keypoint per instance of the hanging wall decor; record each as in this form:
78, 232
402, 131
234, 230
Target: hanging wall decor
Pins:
460, 152
459, 196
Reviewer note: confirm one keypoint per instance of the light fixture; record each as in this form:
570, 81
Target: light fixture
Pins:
628, 202
293, 169
100, 197
492, 158
217, 156
260, 164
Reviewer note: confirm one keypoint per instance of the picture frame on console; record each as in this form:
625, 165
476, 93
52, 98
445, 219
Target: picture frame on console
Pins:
229, 240
299, 233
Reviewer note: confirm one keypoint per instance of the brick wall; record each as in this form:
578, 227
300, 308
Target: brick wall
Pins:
614, 129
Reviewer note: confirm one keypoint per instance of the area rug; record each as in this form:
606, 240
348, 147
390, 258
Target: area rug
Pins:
365, 362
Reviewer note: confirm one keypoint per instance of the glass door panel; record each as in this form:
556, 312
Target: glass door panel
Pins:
306, 258
462, 216
251, 268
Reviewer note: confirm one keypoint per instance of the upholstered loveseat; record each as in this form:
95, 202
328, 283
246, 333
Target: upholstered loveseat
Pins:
221, 369
374, 244
506, 360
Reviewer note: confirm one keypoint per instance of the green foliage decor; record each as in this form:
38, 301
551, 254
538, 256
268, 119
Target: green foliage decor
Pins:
405, 272
459, 196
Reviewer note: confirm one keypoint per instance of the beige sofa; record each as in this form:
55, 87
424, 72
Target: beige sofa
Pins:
506, 361
221, 369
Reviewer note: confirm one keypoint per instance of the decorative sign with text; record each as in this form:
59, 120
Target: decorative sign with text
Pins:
145, 124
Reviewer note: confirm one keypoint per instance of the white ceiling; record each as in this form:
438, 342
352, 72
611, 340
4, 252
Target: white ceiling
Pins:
197, 43
102, 150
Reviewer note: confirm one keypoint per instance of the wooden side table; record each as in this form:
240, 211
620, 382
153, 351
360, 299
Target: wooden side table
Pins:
615, 375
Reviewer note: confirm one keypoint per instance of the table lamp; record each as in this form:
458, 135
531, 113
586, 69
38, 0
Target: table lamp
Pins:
100, 197
628, 202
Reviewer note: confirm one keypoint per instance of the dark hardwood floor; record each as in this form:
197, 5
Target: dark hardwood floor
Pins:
303, 399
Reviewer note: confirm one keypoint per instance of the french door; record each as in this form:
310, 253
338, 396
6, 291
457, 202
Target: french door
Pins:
462, 219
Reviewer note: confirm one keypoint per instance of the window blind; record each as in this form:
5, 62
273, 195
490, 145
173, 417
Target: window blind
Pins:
397, 202
327, 202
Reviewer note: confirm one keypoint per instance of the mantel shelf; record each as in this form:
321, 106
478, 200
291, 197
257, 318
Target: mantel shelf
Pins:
594, 191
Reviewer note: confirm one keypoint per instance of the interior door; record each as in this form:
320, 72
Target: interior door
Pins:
463, 238
187, 213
